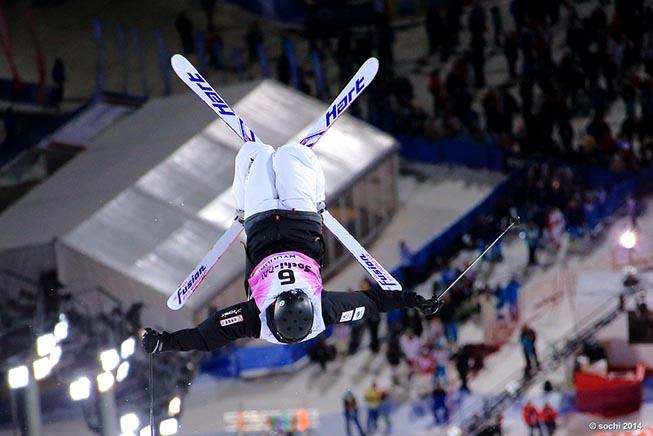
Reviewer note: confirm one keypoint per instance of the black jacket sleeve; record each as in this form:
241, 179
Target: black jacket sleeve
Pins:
340, 307
238, 321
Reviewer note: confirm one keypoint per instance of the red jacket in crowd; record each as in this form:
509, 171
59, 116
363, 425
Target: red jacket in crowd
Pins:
530, 414
548, 414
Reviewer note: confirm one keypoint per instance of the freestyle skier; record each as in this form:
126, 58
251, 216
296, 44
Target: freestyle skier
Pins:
280, 196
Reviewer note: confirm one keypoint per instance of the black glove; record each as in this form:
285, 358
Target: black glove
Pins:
429, 307
152, 341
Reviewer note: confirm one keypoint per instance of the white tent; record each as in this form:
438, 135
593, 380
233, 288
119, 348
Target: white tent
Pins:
137, 210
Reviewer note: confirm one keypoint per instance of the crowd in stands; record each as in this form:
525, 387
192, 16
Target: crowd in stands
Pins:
426, 356
554, 99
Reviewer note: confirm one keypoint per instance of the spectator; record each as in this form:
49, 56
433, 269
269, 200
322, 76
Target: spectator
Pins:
393, 352
441, 356
532, 236
322, 352
531, 418
435, 89
497, 24
461, 359
185, 30
527, 339
351, 413
59, 78
448, 317
384, 410
548, 417
341, 335
373, 400
253, 38
208, 6
511, 295
405, 259
410, 345
413, 321
555, 227
372, 323
439, 405
511, 52
434, 28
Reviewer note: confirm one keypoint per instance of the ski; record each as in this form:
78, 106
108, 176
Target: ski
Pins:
194, 80
365, 259
177, 300
349, 93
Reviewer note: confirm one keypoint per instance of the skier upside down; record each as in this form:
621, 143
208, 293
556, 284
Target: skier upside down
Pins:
280, 195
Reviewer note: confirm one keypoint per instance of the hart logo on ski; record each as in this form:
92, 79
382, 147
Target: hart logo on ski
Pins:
181, 292
341, 105
217, 102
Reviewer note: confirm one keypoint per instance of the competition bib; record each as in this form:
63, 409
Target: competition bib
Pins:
281, 272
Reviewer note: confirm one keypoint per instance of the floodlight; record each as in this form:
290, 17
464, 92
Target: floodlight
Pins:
628, 239
45, 344
454, 431
42, 367
145, 431
168, 426
110, 359
127, 347
105, 381
80, 389
123, 371
61, 330
129, 423
18, 377
55, 355
174, 406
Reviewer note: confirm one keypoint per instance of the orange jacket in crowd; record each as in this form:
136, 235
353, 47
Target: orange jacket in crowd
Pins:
530, 414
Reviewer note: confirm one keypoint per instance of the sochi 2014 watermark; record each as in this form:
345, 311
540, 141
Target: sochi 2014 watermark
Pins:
615, 426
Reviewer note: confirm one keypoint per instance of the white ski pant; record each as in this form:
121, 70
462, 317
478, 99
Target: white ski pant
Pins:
288, 178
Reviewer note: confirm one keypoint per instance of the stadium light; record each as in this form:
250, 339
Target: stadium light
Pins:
42, 367
174, 406
45, 344
127, 347
110, 359
129, 422
18, 377
105, 381
55, 355
628, 239
168, 426
123, 371
145, 431
80, 389
61, 328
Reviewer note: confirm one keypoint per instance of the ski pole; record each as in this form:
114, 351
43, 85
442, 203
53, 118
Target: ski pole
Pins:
513, 222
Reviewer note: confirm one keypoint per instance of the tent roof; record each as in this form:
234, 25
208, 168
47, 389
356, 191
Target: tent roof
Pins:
152, 193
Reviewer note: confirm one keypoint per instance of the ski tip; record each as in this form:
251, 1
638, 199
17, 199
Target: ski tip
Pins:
173, 302
372, 63
177, 59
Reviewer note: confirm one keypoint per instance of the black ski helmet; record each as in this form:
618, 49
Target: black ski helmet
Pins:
290, 316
